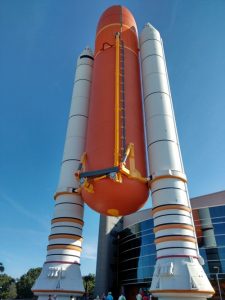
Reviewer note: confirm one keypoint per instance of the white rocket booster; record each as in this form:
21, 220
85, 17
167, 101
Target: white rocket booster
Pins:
178, 272
61, 274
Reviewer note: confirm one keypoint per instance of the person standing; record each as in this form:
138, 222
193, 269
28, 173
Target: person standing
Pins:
145, 297
122, 297
139, 296
103, 297
109, 296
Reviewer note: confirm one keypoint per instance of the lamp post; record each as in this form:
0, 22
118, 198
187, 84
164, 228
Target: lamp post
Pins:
217, 279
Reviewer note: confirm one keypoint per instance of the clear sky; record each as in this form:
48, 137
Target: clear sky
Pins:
39, 44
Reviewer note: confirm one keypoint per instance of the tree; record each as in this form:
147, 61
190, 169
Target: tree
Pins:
12, 291
26, 282
8, 287
1, 268
89, 283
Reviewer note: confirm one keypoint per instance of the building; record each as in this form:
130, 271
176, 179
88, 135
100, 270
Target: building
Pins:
130, 264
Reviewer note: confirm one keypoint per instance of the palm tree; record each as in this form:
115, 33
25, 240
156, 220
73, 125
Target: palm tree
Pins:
89, 281
1, 268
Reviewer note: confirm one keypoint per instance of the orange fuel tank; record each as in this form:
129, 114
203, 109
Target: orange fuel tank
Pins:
113, 169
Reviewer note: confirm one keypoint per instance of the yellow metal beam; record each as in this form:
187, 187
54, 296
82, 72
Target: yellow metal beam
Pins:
117, 101
132, 172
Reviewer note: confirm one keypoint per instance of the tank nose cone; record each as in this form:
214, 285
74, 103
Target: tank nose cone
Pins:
116, 14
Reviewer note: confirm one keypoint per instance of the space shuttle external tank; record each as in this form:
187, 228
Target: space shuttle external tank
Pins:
112, 172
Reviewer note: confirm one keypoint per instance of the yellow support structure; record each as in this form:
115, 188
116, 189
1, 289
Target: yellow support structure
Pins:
132, 172
83, 160
117, 102
88, 186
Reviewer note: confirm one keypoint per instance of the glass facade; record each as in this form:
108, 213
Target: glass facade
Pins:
137, 251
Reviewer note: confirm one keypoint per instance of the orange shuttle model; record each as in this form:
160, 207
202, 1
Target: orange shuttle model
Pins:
113, 168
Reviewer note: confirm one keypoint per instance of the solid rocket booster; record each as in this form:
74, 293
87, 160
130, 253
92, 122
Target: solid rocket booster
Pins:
61, 274
178, 272
113, 179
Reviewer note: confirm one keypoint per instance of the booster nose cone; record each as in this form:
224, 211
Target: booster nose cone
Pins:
149, 32
87, 51
86, 56
150, 26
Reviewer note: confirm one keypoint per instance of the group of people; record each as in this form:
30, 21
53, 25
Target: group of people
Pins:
142, 295
104, 297
50, 297
110, 297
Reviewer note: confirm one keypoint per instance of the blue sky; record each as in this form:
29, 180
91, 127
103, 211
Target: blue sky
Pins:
39, 44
